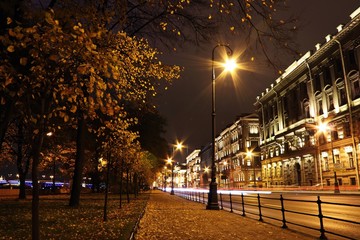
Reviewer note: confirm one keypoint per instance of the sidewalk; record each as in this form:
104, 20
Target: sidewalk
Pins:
169, 217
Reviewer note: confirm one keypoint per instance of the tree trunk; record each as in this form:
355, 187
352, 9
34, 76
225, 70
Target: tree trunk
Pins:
127, 185
36, 149
35, 193
121, 181
5, 117
79, 162
135, 186
22, 170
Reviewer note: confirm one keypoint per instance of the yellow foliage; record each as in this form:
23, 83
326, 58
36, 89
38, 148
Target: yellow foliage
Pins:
11, 49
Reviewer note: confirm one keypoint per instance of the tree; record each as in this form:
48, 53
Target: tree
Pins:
75, 76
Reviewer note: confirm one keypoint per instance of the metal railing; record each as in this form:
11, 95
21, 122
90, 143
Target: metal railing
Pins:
254, 205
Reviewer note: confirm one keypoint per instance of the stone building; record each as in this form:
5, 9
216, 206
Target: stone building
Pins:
236, 167
321, 87
193, 169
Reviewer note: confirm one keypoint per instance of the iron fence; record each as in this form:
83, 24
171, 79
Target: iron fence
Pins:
255, 204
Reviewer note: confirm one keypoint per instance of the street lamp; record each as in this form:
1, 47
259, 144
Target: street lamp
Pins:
53, 188
249, 154
170, 161
178, 146
212, 197
165, 168
323, 127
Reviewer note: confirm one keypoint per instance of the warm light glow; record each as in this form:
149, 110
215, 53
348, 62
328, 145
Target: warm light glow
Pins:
225, 163
323, 127
49, 134
230, 65
206, 169
179, 146
249, 154
169, 161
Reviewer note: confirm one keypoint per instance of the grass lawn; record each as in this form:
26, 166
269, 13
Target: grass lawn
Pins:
59, 221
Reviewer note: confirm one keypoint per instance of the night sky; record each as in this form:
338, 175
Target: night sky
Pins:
187, 104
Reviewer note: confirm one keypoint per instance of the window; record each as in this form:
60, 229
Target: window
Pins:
340, 181
352, 181
340, 131
351, 160
317, 83
330, 101
347, 129
254, 129
342, 96
336, 156
356, 88
325, 161
319, 106
352, 59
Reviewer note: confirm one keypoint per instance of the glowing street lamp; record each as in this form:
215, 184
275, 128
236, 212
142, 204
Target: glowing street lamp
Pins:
212, 197
323, 127
177, 147
170, 161
165, 168
249, 154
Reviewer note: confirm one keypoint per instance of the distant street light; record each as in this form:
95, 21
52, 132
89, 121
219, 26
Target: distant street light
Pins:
53, 188
323, 127
165, 168
231, 65
170, 160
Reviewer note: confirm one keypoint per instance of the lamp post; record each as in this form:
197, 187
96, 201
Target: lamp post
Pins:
165, 178
323, 127
53, 188
213, 197
252, 160
178, 146
170, 161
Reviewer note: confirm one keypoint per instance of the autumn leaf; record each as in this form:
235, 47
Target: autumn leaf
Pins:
81, 69
54, 57
8, 81
23, 61
73, 109
10, 49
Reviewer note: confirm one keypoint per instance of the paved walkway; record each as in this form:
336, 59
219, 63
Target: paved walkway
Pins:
169, 217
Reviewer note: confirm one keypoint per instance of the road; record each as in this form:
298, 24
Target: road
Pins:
307, 211
302, 209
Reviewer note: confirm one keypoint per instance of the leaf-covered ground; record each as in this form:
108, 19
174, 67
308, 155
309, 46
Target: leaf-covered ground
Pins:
169, 217
59, 221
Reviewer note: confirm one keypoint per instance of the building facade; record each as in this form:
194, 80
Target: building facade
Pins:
193, 169
321, 87
237, 158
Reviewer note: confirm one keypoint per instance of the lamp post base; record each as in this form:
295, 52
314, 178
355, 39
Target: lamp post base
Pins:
336, 189
172, 192
213, 197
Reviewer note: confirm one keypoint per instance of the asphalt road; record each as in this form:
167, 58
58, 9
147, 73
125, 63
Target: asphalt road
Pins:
302, 209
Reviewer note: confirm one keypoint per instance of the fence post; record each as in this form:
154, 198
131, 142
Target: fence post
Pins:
259, 205
283, 211
231, 209
243, 205
322, 229
198, 197
203, 198
221, 202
